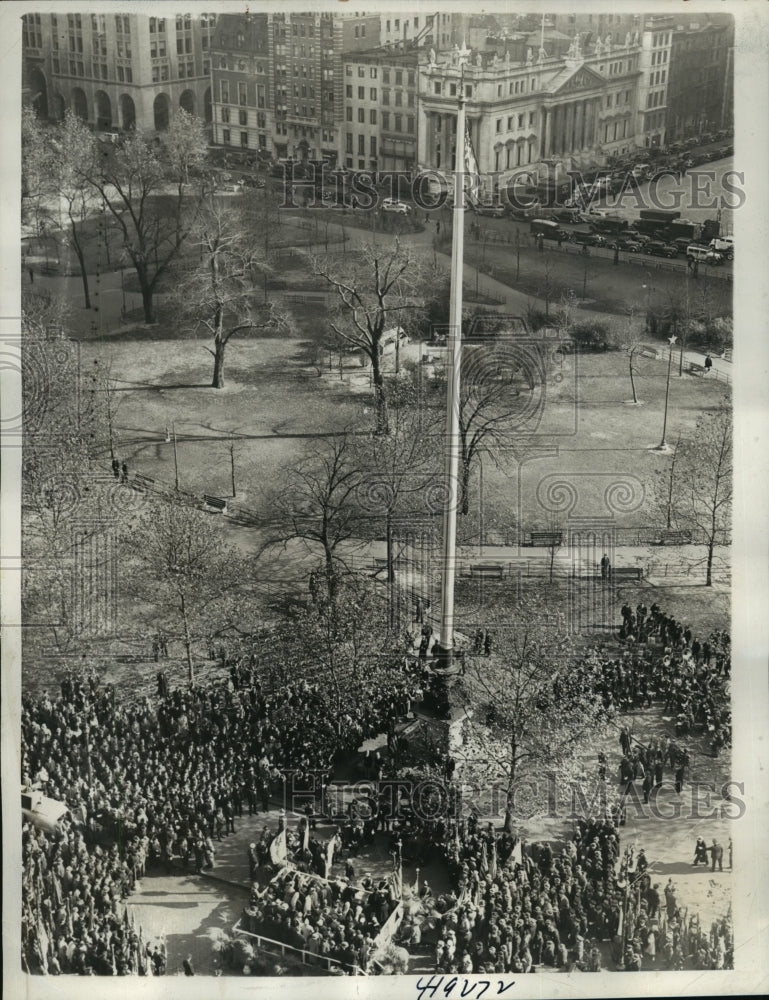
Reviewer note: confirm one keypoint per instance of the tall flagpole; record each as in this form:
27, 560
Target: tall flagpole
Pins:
444, 648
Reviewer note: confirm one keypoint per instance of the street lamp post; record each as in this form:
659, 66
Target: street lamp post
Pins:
663, 444
176, 456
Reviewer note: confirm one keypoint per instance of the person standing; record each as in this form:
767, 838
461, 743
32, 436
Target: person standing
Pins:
716, 856
124, 473
708, 363
116, 468
605, 567
487, 644
730, 849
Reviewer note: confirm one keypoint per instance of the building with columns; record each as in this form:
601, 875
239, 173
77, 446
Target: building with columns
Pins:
571, 112
123, 70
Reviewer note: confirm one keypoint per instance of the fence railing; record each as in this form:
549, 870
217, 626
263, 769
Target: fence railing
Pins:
305, 957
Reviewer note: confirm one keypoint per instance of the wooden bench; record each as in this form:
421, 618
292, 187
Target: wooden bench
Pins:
650, 352
669, 537
546, 538
695, 369
626, 573
215, 503
495, 571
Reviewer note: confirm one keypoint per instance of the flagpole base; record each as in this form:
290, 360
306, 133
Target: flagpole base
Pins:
448, 660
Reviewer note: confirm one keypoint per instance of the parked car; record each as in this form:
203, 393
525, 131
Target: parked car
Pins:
490, 211
658, 249
395, 206
723, 245
726, 150
566, 215
682, 243
587, 239
704, 255
628, 243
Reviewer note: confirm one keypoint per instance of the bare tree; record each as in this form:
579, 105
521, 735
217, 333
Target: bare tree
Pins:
187, 574
497, 387
317, 506
219, 294
702, 488
374, 292
527, 712
133, 180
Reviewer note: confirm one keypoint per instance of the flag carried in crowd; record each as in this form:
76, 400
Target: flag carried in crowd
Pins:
278, 853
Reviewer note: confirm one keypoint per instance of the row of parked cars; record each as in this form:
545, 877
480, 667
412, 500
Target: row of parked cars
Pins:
715, 252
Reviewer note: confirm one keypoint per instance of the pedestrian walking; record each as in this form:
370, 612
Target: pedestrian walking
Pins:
708, 363
716, 856
31, 276
116, 468
487, 644
124, 473
163, 642
187, 966
605, 567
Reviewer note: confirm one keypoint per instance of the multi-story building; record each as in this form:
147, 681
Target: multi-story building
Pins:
700, 78
277, 80
400, 28
653, 83
380, 104
118, 70
572, 112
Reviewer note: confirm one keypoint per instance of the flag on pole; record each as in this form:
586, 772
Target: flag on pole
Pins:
517, 856
278, 854
330, 848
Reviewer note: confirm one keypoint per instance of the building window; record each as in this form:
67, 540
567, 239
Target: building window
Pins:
348, 90
244, 140
349, 143
372, 144
385, 119
437, 87
499, 125
372, 93
242, 93
242, 117
348, 114
225, 113
372, 116
510, 124
361, 145
361, 71
361, 115
224, 91
361, 93
399, 123
385, 97
398, 98
410, 124
520, 121
226, 136
531, 117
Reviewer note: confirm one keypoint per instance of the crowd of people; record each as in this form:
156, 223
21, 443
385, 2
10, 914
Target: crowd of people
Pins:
168, 781
73, 918
334, 920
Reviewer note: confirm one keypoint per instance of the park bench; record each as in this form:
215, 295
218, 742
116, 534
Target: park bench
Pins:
627, 573
546, 538
143, 482
669, 537
215, 503
650, 352
493, 571
695, 369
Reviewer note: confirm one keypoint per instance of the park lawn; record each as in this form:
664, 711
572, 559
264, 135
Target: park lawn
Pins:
273, 408
588, 434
